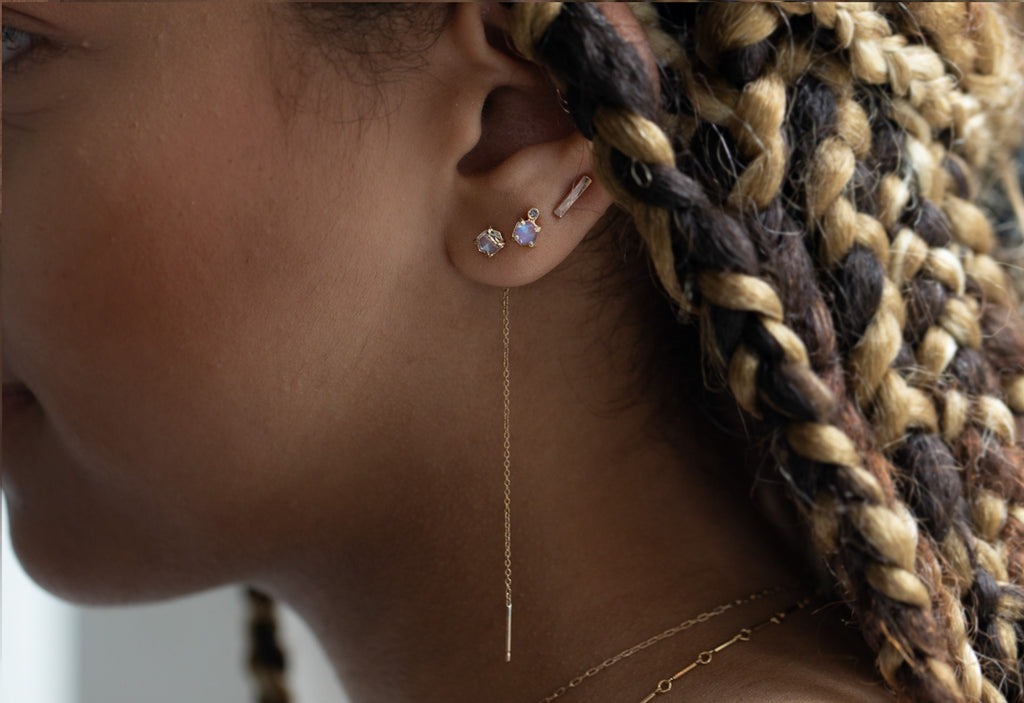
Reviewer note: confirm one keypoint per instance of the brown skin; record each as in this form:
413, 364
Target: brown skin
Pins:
261, 347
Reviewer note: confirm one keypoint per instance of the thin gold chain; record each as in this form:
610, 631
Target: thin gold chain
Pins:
705, 657
508, 477
684, 625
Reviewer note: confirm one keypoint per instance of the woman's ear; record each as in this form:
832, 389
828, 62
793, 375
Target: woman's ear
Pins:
528, 156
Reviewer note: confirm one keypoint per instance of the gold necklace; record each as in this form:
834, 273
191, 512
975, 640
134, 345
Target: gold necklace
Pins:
705, 657
672, 631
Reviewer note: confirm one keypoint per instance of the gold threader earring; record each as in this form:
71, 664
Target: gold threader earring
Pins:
507, 464
490, 242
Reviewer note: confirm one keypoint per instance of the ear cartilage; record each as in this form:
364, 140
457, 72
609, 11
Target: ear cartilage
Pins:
577, 190
490, 242
525, 233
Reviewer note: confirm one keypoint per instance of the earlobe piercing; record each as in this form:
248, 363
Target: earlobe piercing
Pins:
574, 194
490, 242
525, 233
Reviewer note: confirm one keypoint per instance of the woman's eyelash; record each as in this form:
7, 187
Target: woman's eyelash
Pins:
19, 45
16, 43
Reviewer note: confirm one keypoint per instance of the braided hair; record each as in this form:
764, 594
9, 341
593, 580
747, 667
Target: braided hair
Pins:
802, 176
266, 659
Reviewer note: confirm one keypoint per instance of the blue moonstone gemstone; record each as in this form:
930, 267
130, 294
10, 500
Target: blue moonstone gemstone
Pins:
489, 242
525, 233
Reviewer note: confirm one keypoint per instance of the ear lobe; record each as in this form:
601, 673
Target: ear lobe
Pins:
539, 176
529, 155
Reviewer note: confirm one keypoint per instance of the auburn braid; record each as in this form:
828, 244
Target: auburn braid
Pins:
928, 601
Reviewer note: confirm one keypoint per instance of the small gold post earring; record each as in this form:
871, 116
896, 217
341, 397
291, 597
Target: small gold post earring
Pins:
574, 194
507, 473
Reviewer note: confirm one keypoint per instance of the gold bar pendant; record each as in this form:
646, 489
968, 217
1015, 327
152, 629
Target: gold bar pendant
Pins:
508, 633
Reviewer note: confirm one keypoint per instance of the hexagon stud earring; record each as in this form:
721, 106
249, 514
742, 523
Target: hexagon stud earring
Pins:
490, 242
525, 233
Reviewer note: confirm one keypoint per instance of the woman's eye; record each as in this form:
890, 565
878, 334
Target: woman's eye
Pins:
17, 44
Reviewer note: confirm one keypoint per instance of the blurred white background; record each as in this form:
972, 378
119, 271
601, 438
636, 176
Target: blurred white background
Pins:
191, 649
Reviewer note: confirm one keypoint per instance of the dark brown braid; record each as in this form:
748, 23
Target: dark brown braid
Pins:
266, 660
803, 185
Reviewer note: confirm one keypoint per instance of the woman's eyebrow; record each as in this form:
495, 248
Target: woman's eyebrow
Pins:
7, 10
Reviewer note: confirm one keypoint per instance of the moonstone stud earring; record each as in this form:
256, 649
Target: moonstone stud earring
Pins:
490, 242
525, 233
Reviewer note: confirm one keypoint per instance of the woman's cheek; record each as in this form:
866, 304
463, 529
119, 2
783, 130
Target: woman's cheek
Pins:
126, 285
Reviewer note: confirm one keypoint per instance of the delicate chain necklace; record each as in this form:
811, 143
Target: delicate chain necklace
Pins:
705, 657
685, 625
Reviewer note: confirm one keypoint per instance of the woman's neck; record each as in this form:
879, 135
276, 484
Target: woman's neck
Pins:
617, 533
611, 543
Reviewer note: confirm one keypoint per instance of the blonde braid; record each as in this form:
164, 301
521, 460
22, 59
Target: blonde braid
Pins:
958, 323
898, 406
901, 407
995, 91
